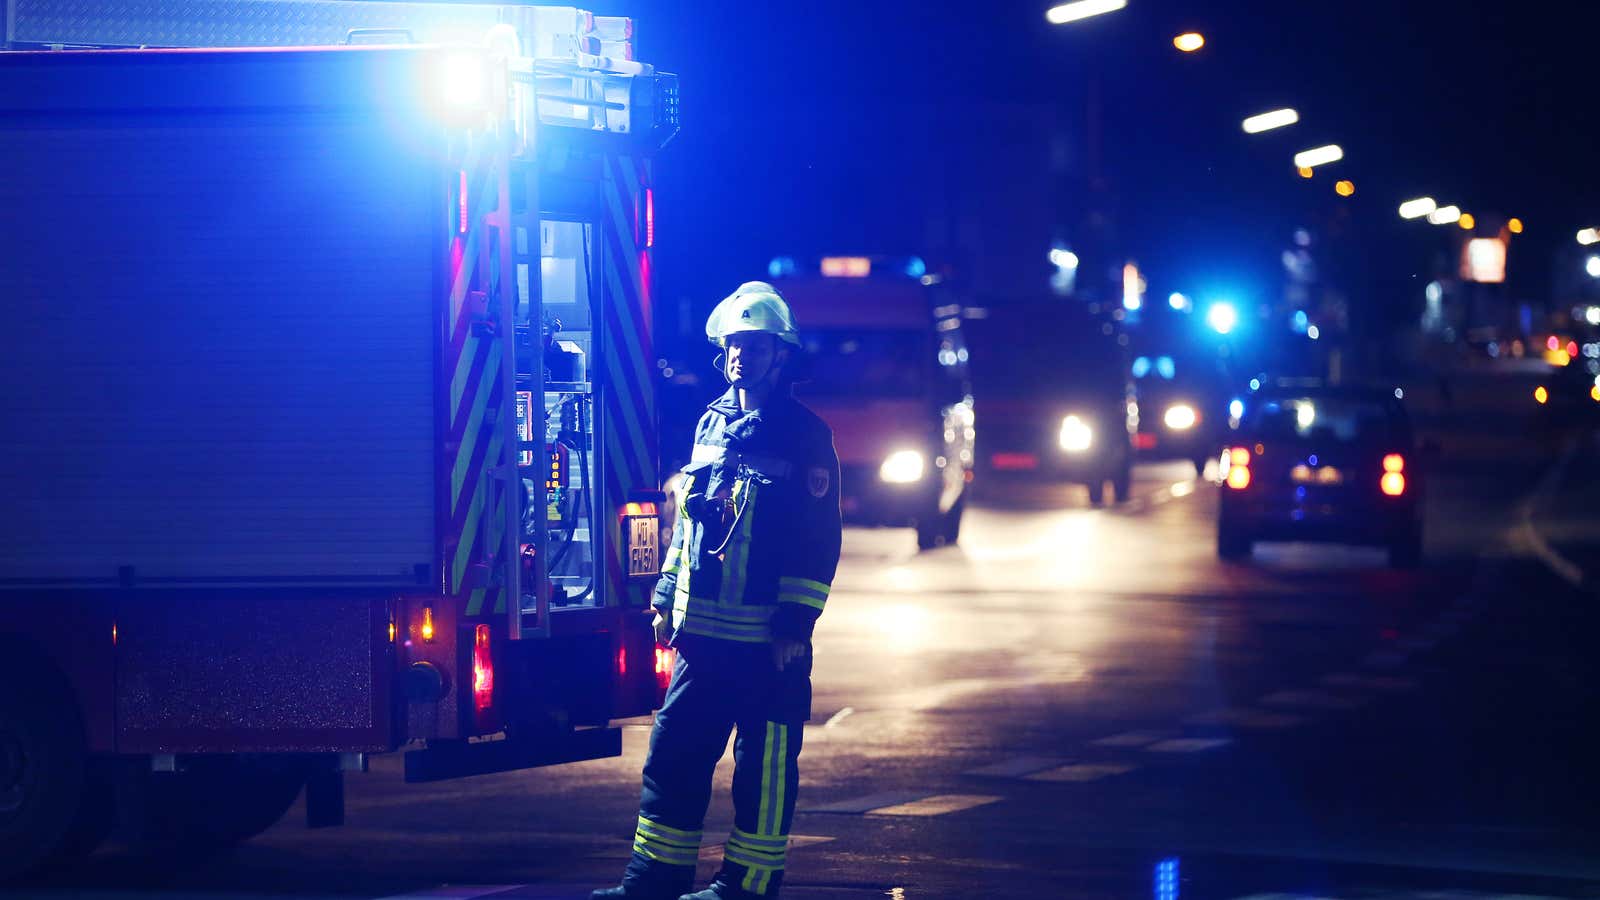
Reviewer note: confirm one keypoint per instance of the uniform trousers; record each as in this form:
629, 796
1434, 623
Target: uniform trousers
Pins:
720, 688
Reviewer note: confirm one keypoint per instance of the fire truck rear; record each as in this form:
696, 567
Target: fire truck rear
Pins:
329, 427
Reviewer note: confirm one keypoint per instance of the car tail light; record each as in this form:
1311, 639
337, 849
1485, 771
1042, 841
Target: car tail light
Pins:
482, 669
1236, 468
1393, 482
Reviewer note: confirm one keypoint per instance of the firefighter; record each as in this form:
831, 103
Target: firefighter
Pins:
752, 559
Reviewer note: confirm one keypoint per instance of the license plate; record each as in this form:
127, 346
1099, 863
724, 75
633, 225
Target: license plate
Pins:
644, 545
1303, 474
1014, 461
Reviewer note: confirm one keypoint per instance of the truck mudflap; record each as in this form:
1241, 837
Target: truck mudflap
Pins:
455, 759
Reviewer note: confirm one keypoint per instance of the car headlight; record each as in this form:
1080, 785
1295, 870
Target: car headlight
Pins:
903, 467
1076, 435
1180, 417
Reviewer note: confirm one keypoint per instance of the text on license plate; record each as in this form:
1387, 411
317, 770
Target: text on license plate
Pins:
644, 545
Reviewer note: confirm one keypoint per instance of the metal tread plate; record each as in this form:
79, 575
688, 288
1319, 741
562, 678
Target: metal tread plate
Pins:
249, 23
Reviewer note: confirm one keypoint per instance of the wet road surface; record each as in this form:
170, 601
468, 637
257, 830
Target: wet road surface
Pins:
1080, 702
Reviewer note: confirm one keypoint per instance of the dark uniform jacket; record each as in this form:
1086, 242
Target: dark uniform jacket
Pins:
763, 567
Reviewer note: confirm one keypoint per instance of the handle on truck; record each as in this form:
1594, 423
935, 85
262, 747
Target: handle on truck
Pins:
351, 35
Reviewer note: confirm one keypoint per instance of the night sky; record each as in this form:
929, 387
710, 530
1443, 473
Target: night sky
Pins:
890, 127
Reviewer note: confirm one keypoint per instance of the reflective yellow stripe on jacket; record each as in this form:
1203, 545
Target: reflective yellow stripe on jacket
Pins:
803, 591
729, 621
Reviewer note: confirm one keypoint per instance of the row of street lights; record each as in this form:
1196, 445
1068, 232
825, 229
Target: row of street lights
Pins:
1306, 161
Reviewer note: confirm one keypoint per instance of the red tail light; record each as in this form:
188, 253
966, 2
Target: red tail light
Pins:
649, 218
1393, 482
665, 658
482, 669
1236, 468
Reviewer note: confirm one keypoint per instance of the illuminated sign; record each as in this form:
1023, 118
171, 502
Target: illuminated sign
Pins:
846, 266
1484, 260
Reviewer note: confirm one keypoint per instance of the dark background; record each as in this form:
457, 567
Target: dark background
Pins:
962, 133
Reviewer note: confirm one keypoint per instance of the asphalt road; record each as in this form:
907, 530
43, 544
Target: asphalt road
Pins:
1086, 703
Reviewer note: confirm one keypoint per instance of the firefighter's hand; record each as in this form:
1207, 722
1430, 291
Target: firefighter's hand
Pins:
785, 651
663, 628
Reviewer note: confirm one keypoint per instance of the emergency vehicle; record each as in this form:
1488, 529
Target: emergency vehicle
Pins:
889, 376
329, 422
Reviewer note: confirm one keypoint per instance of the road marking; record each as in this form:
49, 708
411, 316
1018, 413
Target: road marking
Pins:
937, 805
1247, 718
1312, 700
861, 804
1188, 745
1016, 768
1371, 682
1078, 773
1132, 739
839, 716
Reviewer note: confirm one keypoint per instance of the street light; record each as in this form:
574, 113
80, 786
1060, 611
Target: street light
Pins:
1345, 188
1267, 121
1592, 266
1416, 209
1318, 156
1467, 222
1514, 226
1444, 215
1082, 9
1589, 236
1189, 42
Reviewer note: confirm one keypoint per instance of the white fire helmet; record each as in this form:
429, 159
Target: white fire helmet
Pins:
755, 306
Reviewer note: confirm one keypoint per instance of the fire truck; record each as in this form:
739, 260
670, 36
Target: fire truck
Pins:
329, 419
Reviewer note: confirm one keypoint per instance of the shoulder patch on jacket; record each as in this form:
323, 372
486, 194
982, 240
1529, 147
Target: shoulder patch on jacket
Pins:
817, 479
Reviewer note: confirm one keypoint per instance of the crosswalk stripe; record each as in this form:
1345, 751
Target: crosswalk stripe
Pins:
1132, 739
1016, 768
1188, 745
860, 805
1082, 772
937, 805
